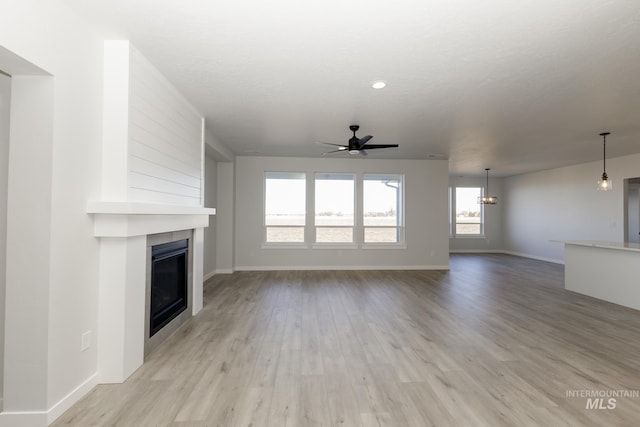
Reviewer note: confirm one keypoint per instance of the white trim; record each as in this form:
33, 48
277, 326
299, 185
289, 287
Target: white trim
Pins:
72, 398
539, 258
291, 245
335, 246
500, 251
143, 208
208, 275
34, 418
341, 267
224, 271
43, 418
374, 246
476, 251
134, 225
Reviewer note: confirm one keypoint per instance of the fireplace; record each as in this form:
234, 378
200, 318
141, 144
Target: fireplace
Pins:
169, 285
169, 274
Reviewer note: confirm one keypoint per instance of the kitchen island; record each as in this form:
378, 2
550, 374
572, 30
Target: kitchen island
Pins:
606, 270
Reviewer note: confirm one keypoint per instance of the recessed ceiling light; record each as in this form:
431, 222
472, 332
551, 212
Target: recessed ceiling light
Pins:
378, 85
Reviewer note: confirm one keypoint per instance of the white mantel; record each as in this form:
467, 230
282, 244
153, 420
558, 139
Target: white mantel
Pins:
122, 228
128, 219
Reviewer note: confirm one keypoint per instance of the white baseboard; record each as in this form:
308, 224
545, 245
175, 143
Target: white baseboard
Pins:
214, 272
476, 251
494, 251
539, 258
24, 419
341, 267
70, 399
44, 418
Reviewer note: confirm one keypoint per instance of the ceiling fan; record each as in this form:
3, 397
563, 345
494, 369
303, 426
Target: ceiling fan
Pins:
357, 145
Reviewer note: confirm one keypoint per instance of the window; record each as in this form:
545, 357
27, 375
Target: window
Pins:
349, 210
285, 207
382, 208
468, 219
334, 205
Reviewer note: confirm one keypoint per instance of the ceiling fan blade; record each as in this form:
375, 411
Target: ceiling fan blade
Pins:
374, 146
364, 140
334, 151
330, 143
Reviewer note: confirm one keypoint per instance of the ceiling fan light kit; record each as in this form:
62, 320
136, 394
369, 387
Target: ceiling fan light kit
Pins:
604, 183
357, 145
486, 199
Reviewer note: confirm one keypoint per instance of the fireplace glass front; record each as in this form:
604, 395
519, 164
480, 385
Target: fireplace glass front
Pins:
169, 274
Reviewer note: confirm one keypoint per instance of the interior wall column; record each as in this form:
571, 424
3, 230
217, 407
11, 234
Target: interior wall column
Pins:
28, 246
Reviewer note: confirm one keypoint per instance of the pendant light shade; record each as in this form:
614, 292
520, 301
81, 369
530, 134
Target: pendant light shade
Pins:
486, 199
604, 183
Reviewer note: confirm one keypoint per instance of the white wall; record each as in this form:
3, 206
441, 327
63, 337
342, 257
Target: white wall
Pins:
154, 144
219, 185
5, 102
225, 217
493, 219
210, 187
55, 171
426, 217
564, 204
165, 139
28, 269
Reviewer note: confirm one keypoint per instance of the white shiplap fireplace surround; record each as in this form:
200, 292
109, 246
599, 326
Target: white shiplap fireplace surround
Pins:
152, 183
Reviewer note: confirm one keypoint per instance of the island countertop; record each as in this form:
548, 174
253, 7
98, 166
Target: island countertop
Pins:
621, 246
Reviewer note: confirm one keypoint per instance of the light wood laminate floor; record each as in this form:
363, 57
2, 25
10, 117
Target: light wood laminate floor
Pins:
494, 341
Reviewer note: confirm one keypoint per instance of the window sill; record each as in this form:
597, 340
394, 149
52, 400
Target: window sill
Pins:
383, 246
334, 246
468, 237
285, 246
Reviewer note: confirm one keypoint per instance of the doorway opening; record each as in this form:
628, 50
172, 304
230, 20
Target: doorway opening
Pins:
632, 210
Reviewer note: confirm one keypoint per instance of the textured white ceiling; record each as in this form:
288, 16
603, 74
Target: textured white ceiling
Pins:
512, 85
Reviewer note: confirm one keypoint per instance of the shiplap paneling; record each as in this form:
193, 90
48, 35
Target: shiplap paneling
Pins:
165, 140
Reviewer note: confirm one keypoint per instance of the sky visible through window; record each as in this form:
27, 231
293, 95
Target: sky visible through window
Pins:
286, 196
467, 199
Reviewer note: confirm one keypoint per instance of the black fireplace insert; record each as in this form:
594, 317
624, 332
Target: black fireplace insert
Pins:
169, 273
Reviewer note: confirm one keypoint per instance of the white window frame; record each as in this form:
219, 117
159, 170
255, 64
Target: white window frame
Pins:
354, 227
265, 227
400, 225
358, 228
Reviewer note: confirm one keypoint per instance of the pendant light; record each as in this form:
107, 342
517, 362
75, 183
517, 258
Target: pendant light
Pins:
486, 199
604, 183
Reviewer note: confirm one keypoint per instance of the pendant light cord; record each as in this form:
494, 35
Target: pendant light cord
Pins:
604, 153
487, 195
